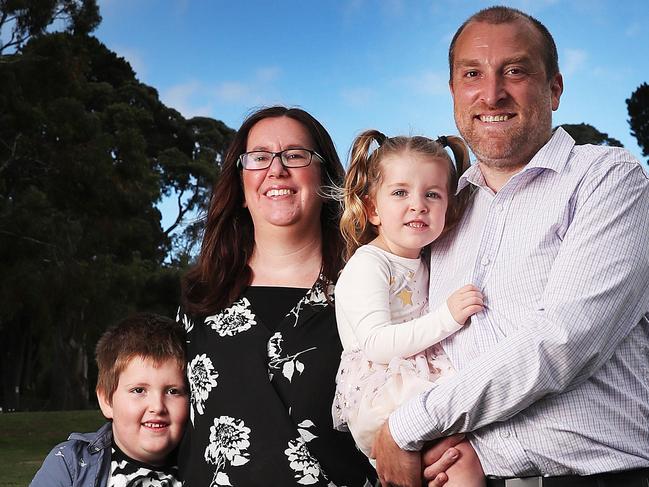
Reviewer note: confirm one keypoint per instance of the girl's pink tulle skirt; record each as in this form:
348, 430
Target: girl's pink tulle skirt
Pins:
367, 392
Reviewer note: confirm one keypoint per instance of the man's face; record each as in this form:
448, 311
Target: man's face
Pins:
503, 100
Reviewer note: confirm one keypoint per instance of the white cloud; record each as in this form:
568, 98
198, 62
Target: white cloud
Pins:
613, 75
134, 58
393, 7
426, 83
633, 29
195, 97
266, 75
255, 90
232, 91
188, 98
351, 8
357, 97
573, 60
181, 6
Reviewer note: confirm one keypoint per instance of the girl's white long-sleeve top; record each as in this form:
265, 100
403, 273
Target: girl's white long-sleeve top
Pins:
381, 302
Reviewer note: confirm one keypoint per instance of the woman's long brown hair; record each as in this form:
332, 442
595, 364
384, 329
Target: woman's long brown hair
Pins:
222, 272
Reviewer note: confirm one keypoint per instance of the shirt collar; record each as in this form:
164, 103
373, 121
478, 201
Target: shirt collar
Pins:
553, 155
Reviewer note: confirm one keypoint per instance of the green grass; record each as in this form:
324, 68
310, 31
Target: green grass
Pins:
26, 438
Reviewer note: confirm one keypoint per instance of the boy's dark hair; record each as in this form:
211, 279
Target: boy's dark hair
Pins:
144, 335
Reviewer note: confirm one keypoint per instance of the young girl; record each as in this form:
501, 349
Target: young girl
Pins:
398, 198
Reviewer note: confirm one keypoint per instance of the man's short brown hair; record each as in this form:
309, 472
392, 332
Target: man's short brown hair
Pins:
144, 335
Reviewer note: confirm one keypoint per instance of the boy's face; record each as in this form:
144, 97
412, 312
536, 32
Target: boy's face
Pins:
149, 409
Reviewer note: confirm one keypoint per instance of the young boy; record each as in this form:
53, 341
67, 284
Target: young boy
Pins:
141, 388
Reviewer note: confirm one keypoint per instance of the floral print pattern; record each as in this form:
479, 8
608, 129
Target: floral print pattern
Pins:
229, 440
201, 376
307, 469
289, 364
233, 320
318, 296
245, 396
184, 320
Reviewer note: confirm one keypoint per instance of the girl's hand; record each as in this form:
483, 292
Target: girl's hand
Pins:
465, 302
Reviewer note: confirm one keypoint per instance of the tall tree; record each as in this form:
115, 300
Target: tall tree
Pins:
22, 19
638, 107
86, 153
584, 133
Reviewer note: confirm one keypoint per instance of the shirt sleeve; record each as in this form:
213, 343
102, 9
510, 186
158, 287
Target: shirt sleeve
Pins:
55, 471
363, 302
597, 292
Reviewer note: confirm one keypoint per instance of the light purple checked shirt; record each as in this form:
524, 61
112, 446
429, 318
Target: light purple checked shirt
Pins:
553, 377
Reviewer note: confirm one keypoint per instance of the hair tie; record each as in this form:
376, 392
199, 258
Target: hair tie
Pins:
442, 140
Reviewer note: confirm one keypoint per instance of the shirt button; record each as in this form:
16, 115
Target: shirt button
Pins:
485, 261
500, 207
505, 434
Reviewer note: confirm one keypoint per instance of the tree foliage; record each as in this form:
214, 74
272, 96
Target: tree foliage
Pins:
86, 153
584, 133
638, 107
22, 19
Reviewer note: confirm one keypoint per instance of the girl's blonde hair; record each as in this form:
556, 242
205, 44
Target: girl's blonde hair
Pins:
364, 175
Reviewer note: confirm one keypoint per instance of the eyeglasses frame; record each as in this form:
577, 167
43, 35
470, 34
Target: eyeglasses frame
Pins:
281, 159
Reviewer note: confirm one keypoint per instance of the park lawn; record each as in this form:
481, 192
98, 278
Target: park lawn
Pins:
26, 438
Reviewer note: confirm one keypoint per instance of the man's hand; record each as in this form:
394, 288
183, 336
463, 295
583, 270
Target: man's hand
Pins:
465, 302
396, 467
438, 458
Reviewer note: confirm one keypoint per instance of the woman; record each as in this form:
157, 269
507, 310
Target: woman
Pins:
263, 349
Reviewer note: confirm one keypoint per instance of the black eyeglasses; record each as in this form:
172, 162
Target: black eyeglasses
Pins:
290, 158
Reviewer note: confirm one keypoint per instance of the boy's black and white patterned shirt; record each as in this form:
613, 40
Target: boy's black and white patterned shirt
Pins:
126, 472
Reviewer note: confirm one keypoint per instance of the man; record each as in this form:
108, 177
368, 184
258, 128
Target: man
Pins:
553, 377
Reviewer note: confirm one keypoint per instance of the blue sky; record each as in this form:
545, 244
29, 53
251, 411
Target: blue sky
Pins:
357, 64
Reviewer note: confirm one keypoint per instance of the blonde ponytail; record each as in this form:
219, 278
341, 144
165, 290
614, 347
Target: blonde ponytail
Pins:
362, 176
457, 202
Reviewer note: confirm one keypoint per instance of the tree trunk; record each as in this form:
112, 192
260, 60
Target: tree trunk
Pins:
14, 338
69, 374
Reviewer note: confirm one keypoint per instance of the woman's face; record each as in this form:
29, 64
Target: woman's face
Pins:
279, 196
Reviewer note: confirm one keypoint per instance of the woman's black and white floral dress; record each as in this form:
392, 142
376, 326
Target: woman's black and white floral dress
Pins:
261, 398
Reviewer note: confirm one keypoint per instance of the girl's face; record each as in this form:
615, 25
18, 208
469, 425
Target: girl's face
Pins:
409, 205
